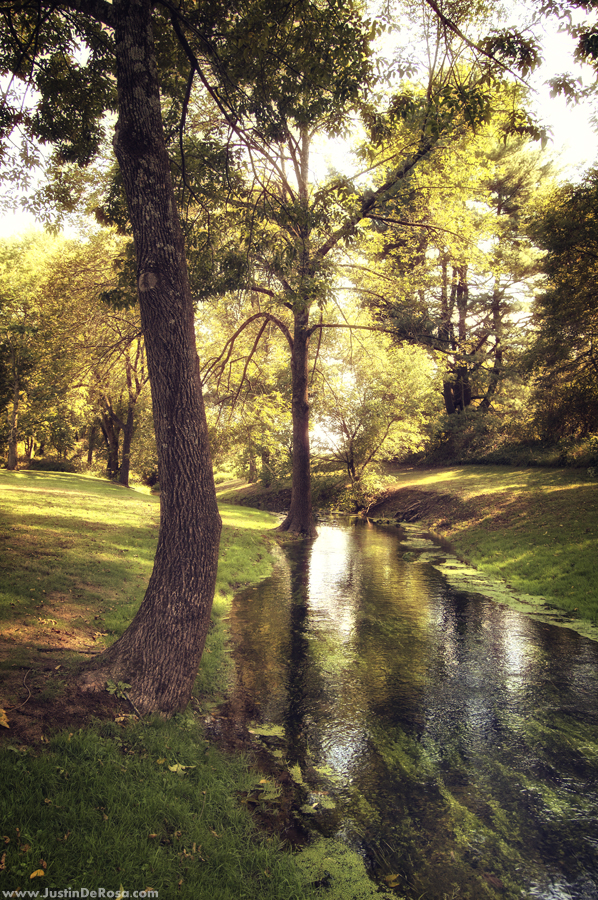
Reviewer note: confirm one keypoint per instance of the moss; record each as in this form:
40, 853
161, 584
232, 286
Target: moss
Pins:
338, 872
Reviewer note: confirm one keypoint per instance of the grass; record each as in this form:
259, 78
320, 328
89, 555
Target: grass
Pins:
118, 803
149, 806
535, 528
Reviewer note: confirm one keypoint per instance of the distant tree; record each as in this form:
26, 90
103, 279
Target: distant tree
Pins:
451, 267
373, 401
564, 356
100, 325
35, 371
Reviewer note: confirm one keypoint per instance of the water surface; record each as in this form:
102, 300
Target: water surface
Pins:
451, 740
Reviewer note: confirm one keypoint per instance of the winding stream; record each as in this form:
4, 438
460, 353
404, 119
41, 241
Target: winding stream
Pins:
449, 739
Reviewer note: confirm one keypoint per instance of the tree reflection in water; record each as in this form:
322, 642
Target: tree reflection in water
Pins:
458, 738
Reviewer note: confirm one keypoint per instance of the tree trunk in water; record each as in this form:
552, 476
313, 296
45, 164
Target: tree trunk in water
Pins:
159, 654
299, 519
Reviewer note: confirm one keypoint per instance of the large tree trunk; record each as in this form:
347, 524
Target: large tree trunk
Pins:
300, 517
159, 654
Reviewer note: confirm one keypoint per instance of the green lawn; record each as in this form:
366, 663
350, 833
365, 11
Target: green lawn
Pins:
536, 528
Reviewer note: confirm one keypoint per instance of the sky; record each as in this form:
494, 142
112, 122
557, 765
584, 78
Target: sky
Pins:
574, 139
574, 142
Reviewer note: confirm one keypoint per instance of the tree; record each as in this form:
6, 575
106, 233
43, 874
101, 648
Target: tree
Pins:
564, 356
251, 63
299, 229
373, 401
100, 325
160, 652
35, 371
452, 267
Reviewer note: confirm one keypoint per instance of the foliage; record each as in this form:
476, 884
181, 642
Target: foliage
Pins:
372, 400
79, 363
43, 406
48, 464
564, 357
450, 265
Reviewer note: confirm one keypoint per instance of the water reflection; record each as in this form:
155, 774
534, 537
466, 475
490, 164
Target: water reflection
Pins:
458, 739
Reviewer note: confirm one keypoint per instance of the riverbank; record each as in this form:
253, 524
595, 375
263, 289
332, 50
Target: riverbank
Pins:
534, 528
93, 798
537, 529
90, 797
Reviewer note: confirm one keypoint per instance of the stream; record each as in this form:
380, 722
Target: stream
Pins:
450, 740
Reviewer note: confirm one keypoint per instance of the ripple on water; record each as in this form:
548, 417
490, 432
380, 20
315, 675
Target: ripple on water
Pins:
456, 739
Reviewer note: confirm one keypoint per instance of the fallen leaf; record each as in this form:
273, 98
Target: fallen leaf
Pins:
3, 719
25, 848
180, 769
3, 862
37, 874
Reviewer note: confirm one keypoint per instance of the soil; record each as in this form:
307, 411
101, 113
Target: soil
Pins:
39, 699
429, 507
39, 655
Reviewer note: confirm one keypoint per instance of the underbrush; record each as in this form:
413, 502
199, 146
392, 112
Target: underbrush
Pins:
491, 438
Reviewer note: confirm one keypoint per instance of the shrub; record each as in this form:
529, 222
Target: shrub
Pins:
52, 464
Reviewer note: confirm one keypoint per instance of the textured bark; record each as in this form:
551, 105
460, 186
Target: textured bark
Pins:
159, 654
125, 464
299, 518
111, 433
13, 438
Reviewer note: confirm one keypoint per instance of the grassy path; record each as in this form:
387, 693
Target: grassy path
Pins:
535, 528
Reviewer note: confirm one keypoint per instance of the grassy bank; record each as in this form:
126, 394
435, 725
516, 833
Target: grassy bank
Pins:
112, 802
535, 528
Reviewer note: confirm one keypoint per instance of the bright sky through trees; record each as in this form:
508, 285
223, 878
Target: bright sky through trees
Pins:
574, 140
